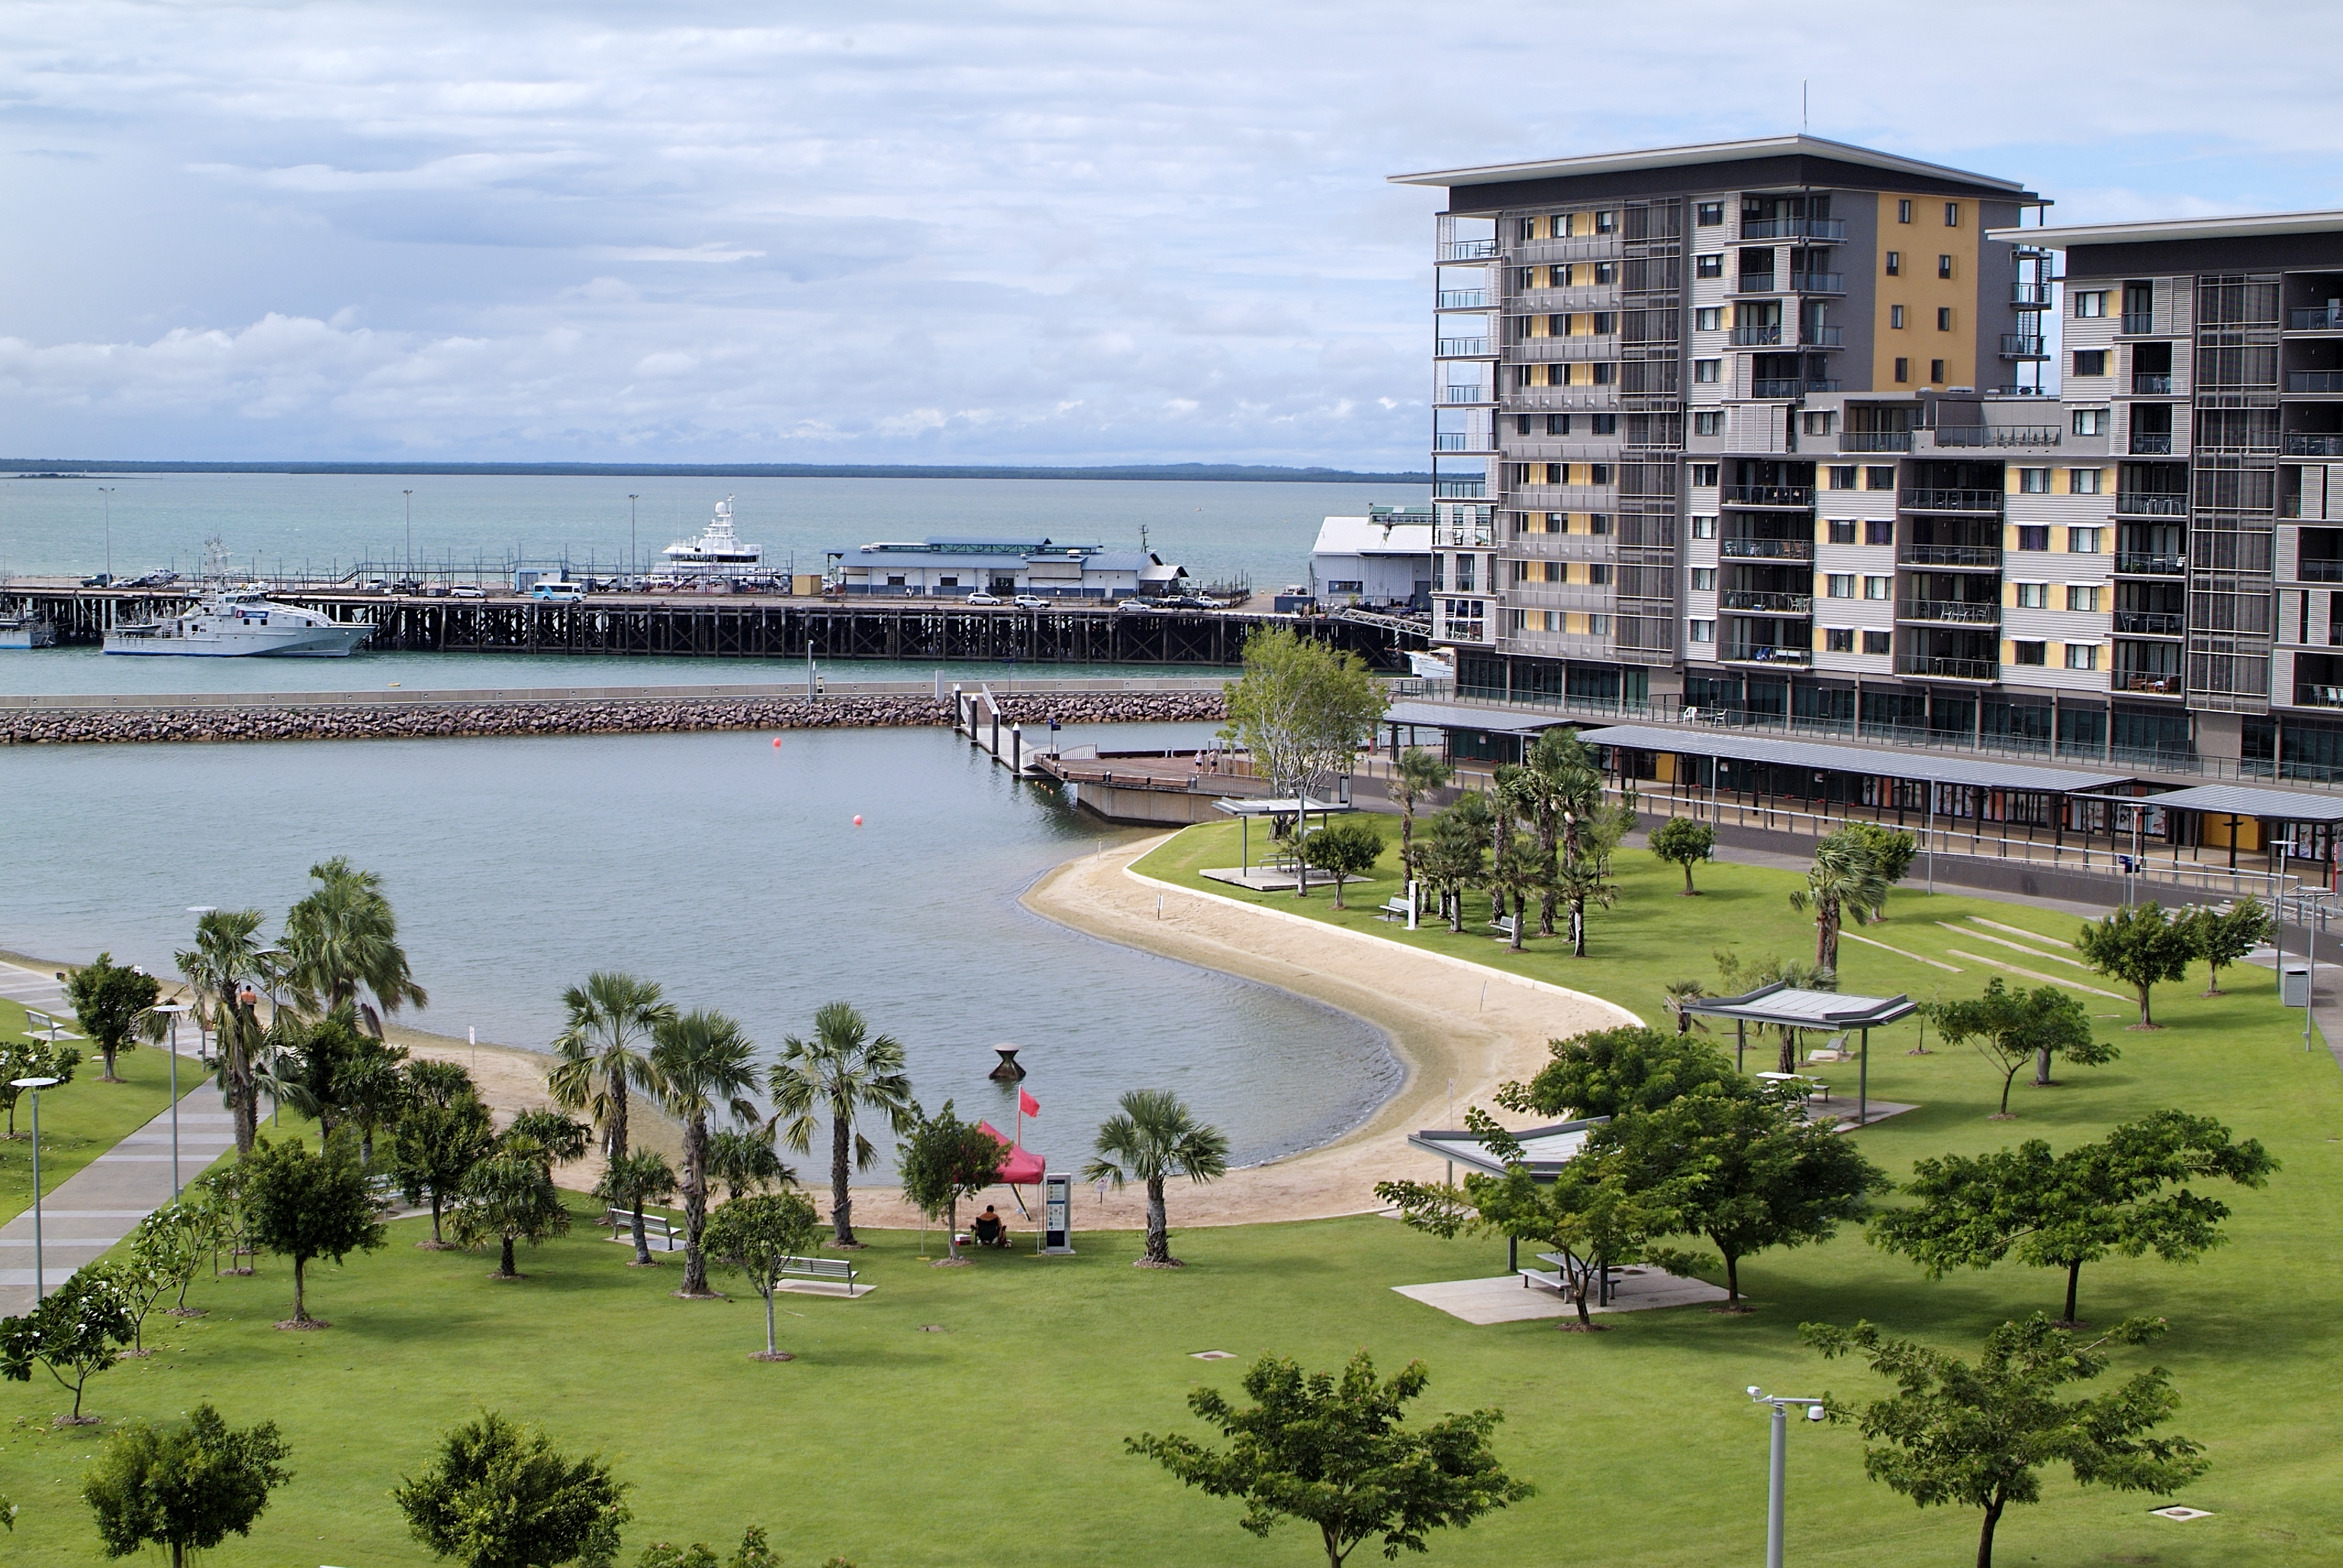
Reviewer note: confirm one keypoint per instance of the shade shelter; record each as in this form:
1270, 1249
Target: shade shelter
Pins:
1246, 811
1787, 1006
1545, 1151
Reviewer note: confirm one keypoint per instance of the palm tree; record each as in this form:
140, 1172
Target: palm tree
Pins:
342, 943
638, 1177
1675, 995
1514, 868
843, 1069
747, 1161
705, 1064
1419, 774
601, 1056
1155, 1138
509, 1196
1844, 880
226, 961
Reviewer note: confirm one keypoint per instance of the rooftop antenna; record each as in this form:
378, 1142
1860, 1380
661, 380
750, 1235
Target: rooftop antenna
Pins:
1801, 105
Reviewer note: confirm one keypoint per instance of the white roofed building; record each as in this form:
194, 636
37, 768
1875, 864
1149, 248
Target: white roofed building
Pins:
1382, 558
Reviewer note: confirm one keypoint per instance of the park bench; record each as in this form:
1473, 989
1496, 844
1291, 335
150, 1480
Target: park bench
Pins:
657, 1228
1832, 1049
1549, 1279
46, 1028
1806, 1088
835, 1271
1503, 926
1392, 909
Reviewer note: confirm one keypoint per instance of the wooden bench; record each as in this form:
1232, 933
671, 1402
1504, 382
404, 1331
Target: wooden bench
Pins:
657, 1228
834, 1270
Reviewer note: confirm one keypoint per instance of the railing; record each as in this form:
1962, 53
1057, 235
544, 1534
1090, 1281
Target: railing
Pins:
2151, 504
1463, 535
2314, 380
1766, 550
1950, 556
1964, 612
1769, 495
1585, 347
1598, 398
2150, 623
2022, 346
1817, 283
1773, 603
2317, 696
1468, 249
1820, 337
2148, 565
2157, 683
1461, 441
1935, 500
2318, 318
2036, 294
1755, 283
1757, 337
1787, 386
1461, 489
2151, 443
1463, 299
1767, 653
2298, 446
1794, 228
1998, 434
1875, 441
1929, 664
2151, 383
1473, 393
2139, 323
2311, 571
1572, 247
1462, 348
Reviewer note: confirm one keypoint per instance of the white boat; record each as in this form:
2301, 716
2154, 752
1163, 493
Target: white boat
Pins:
230, 622
717, 552
26, 631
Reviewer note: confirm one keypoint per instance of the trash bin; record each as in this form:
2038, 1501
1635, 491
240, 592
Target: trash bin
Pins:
2294, 985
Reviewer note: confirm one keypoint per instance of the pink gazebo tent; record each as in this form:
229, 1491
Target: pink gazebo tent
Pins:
1023, 1166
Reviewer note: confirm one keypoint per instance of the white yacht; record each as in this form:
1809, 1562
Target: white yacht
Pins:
230, 622
717, 552
27, 630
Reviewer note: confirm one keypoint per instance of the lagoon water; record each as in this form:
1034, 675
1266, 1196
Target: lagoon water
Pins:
727, 869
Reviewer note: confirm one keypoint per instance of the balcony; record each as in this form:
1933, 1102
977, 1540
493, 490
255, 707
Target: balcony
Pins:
2151, 383
1942, 669
2298, 446
2318, 318
1997, 435
1875, 441
1988, 556
1946, 500
2151, 504
1581, 348
2023, 346
2139, 323
1789, 386
1767, 603
1476, 489
1766, 337
1472, 393
1766, 550
1452, 536
1462, 348
2317, 696
1463, 299
1468, 250
1767, 653
2147, 566
1769, 495
1821, 337
2310, 569
2030, 295
1527, 400
2150, 623
2314, 380
2157, 683
1793, 228
1951, 612
2151, 443
1817, 283
1463, 441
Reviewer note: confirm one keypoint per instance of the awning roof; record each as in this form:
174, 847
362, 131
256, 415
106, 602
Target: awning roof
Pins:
1545, 1150
1787, 1005
1928, 766
1282, 806
1456, 715
2242, 800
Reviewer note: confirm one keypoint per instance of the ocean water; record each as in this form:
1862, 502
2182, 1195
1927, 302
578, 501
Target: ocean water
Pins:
728, 869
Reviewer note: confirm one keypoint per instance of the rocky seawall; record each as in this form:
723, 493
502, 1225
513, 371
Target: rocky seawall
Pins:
368, 721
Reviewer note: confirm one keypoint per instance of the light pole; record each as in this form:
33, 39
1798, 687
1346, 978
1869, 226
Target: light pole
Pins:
172, 1009
275, 1106
631, 499
108, 492
1778, 1466
199, 911
411, 531
35, 1085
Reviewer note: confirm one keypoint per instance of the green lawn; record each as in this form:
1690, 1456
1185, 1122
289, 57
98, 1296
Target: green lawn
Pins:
86, 1117
999, 1439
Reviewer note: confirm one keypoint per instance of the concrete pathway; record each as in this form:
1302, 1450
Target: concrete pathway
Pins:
1507, 1298
36, 989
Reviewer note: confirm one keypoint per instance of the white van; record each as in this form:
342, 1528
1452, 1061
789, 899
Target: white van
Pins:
557, 592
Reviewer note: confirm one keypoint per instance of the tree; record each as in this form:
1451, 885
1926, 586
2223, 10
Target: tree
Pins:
1417, 775
559, 1139
508, 1196
1346, 848
1892, 849
1977, 1436
1615, 1071
1456, 854
342, 948
844, 1069
945, 1159
1677, 996
32, 1057
1151, 1138
604, 1052
309, 1205
2221, 940
752, 1552
1516, 865
2012, 1027
434, 1082
74, 1332
1681, 842
746, 1162
1585, 879
171, 1243
760, 1236
638, 1177
1302, 708
1844, 880
225, 1190
2126, 1194
435, 1146
501, 1497
325, 1068
2140, 947
1338, 1455
108, 1000
226, 962
185, 1490
1740, 977
142, 1285
705, 1064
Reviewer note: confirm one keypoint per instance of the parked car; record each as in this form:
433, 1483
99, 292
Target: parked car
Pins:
981, 596
1030, 601
1137, 604
465, 591
102, 579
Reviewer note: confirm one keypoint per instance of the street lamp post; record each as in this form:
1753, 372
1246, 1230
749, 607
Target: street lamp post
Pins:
411, 531
172, 1009
199, 911
35, 1085
275, 1106
108, 492
631, 499
1778, 1464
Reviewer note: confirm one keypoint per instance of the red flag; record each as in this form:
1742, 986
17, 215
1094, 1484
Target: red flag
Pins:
1027, 1105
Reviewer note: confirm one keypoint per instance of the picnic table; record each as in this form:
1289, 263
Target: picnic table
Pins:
1808, 1088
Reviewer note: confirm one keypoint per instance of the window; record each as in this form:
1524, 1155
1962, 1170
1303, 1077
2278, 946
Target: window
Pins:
2033, 596
1708, 422
1879, 588
1703, 476
1902, 370
1879, 478
1703, 580
1521, 425
1606, 222
1700, 631
1895, 264
2083, 541
2082, 481
1841, 477
2029, 652
1465, 574
1838, 585
1598, 523
1708, 214
1944, 318
1877, 641
2033, 481
2090, 362
1818, 421
1943, 266
1704, 528
1598, 473
2082, 656
1879, 531
1895, 317
1708, 371
2083, 597
1605, 323
1598, 572
1708, 319
1598, 625
2090, 421
1602, 424
1903, 212
2033, 537
1708, 265
2090, 303
1936, 372
1557, 424
1838, 639
1952, 214
1841, 531
1605, 373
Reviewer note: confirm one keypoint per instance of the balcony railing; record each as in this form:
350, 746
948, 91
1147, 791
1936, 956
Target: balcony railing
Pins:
2311, 569
2317, 696
1772, 386
1527, 399
1463, 535
1875, 441
2151, 383
1459, 489
1929, 664
1764, 336
1933, 499
1463, 299
1769, 495
2318, 318
2298, 445
1793, 228
2139, 323
1770, 603
2150, 623
2151, 443
2155, 683
2029, 296
1767, 653
1468, 250
1820, 337
2022, 346
1475, 392
1817, 283
1958, 611
1462, 348
2151, 504
1461, 441
2147, 566
1998, 434
1950, 556
1766, 550
2314, 380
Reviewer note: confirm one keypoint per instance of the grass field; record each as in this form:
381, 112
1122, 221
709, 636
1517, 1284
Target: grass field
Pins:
86, 1117
1000, 1438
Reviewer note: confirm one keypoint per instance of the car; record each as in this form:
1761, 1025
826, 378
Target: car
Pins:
1030, 601
465, 591
981, 596
102, 579
1138, 603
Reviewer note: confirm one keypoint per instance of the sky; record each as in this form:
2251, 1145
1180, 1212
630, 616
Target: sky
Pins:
955, 232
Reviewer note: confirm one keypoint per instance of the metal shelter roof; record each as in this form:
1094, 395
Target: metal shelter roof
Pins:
1456, 715
1545, 1150
2242, 800
1786, 1005
1927, 767
1282, 806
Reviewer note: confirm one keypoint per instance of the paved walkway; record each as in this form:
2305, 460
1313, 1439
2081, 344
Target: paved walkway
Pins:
36, 988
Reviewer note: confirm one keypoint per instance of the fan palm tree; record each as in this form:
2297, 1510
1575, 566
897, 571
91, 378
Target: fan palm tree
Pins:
1675, 995
1844, 880
706, 1065
1151, 1138
1418, 774
342, 946
228, 959
639, 1176
509, 1197
842, 1070
603, 1056
746, 1162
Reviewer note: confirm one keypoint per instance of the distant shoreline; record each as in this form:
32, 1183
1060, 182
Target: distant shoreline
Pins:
1214, 473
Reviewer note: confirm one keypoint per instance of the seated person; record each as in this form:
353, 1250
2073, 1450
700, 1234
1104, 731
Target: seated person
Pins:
989, 1229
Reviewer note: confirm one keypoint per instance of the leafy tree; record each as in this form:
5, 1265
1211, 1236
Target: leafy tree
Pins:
1338, 1455
435, 1082
1978, 1436
2011, 1028
1302, 708
324, 1068
636, 1177
1151, 1138
501, 1497
435, 1146
759, 1236
171, 1243
2140, 947
1844, 880
705, 1064
343, 951
74, 1332
309, 1205
141, 1286
1681, 842
603, 1055
1455, 855
32, 1057
559, 1139
1615, 1072
945, 1159
1893, 850
225, 1190
843, 1070
109, 1000
1740, 976
2221, 940
1346, 848
747, 1161
1585, 879
1418, 774
508, 1196
2126, 1194
752, 1552
228, 962
185, 1490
